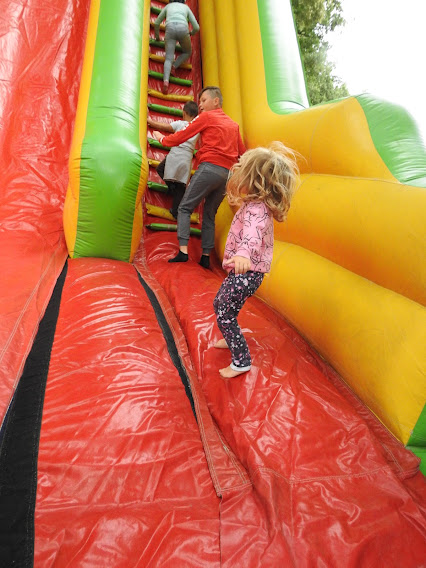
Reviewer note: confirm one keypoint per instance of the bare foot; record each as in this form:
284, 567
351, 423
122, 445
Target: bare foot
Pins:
229, 373
221, 344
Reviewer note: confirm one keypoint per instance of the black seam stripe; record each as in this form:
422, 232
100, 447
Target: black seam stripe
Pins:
3, 426
20, 444
170, 342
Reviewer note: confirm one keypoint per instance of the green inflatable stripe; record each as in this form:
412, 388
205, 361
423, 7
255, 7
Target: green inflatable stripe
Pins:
156, 144
153, 186
165, 109
417, 441
397, 139
176, 80
171, 227
420, 453
418, 437
111, 156
162, 45
285, 79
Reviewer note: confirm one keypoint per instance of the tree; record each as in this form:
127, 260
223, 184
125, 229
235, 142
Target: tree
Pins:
314, 19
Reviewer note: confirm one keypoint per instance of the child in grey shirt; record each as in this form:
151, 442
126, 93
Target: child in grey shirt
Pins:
175, 169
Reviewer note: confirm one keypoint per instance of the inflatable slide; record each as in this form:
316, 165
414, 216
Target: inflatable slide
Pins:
120, 444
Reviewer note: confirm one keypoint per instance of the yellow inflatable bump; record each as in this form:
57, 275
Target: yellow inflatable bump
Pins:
208, 43
227, 57
374, 337
342, 144
171, 97
156, 211
358, 224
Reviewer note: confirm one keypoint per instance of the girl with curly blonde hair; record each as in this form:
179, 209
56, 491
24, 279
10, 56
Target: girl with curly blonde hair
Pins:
261, 184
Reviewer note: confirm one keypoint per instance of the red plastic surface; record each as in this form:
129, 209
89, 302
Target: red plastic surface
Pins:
283, 467
41, 47
122, 476
332, 485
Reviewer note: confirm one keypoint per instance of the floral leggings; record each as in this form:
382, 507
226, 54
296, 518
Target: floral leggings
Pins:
235, 290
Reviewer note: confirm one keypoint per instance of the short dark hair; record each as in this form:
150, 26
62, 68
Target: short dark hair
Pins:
214, 92
191, 108
181, 1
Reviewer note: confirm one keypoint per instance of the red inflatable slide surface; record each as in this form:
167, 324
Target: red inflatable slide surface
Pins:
134, 452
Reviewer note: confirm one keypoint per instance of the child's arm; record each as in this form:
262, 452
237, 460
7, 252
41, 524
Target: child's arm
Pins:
255, 220
240, 263
195, 26
158, 21
195, 127
159, 125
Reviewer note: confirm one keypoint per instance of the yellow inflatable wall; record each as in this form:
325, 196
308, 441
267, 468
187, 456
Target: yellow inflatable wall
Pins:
348, 268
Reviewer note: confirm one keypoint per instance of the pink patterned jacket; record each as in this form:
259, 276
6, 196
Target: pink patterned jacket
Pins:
251, 235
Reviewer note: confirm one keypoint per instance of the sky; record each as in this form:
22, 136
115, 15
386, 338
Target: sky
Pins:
382, 50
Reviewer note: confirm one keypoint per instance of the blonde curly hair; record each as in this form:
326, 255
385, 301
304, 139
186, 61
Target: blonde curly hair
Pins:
264, 174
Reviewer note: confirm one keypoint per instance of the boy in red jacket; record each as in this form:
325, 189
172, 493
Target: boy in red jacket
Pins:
220, 147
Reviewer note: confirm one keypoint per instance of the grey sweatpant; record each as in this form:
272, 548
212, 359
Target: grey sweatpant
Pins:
208, 183
174, 33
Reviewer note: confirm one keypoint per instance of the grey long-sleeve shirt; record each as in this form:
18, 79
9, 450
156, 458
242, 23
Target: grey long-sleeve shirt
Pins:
176, 13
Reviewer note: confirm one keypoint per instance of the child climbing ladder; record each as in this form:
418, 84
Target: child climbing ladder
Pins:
180, 94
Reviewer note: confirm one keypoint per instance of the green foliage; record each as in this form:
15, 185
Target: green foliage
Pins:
314, 19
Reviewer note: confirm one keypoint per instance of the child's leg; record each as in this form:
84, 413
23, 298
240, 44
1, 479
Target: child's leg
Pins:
178, 193
170, 188
160, 168
235, 290
170, 45
185, 43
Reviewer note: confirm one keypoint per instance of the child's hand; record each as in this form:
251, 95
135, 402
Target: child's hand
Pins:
241, 264
150, 122
158, 135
